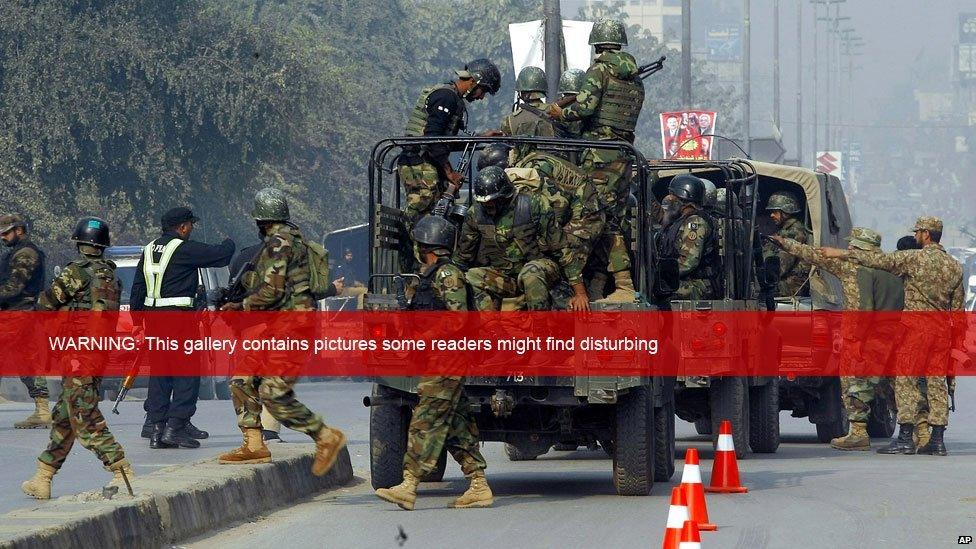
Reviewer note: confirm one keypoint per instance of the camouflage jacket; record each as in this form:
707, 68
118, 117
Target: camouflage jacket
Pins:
447, 284
607, 66
794, 270
525, 122
23, 278
281, 273
86, 283
933, 279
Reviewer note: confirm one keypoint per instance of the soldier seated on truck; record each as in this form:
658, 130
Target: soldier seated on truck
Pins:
690, 237
794, 280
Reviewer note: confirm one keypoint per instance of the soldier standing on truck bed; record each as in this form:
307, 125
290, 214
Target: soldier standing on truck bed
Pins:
794, 272
442, 417
865, 289
531, 87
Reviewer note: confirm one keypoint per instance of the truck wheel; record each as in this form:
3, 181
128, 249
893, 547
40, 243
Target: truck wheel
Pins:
883, 418
703, 426
515, 453
437, 474
633, 459
222, 389
565, 447
387, 440
727, 399
764, 418
664, 443
837, 426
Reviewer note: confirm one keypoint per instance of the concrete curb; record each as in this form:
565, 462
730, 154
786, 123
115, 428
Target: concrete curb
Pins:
172, 504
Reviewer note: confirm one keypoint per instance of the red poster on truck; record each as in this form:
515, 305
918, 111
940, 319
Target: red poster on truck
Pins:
687, 134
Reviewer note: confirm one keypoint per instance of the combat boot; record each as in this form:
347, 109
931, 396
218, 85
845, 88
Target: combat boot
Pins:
922, 433
624, 292
936, 444
328, 443
903, 444
39, 486
477, 495
117, 469
252, 450
41, 418
856, 439
403, 494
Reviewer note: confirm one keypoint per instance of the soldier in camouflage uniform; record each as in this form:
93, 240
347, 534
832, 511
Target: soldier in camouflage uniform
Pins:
21, 281
442, 417
933, 282
281, 282
570, 84
783, 208
864, 289
522, 246
88, 283
608, 106
531, 88
426, 172
691, 238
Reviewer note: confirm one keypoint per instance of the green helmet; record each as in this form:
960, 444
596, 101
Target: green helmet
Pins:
784, 202
270, 204
608, 32
571, 81
531, 79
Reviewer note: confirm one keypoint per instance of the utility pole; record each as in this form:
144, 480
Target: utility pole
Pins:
686, 53
746, 46
816, 67
799, 83
776, 100
553, 29
831, 29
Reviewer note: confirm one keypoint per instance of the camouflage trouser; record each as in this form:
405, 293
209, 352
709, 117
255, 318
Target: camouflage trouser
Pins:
858, 396
278, 397
36, 387
441, 419
76, 415
611, 177
489, 285
693, 288
921, 346
421, 184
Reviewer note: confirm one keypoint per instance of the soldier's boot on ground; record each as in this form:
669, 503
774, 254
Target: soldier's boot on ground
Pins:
41, 418
624, 291
477, 495
39, 486
328, 443
903, 444
252, 450
936, 444
922, 433
117, 469
856, 438
403, 494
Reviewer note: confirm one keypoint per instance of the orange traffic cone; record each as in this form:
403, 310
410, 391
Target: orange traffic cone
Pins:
725, 469
691, 485
677, 516
690, 538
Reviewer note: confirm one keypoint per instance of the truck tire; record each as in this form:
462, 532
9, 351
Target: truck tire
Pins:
703, 426
633, 459
437, 474
837, 426
664, 442
883, 418
515, 453
764, 418
728, 399
387, 440
565, 447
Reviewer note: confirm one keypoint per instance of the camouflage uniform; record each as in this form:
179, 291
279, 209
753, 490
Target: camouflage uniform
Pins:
442, 417
517, 248
691, 237
933, 282
794, 271
525, 122
87, 283
22, 276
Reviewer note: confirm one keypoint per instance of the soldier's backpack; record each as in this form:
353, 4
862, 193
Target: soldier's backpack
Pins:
318, 270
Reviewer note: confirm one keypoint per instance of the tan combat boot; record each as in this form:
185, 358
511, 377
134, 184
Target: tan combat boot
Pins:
403, 494
39, 486
856, 439
477, 495
922, 433
41, 418
118, 468
328, 443
252, 450
624, 292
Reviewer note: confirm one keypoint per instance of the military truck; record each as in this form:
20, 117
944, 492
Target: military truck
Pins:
631, 417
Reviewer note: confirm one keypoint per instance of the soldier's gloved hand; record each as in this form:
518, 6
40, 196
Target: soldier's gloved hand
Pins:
555, 111
232, 307
580, 302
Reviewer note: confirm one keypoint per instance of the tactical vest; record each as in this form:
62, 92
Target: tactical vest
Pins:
620, 105
153, 272
299, 271
417, 122
524, 234
710, 262
35, 284
102, 292
425, 298
524, 122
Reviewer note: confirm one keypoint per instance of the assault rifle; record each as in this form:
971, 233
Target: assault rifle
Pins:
127, 382
235, 292
445, 206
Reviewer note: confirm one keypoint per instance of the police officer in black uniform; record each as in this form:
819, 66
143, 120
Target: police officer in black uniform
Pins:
166, 280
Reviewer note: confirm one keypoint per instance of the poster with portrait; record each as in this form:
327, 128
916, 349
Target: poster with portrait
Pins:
687, 134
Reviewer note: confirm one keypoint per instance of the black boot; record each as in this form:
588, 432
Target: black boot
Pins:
192, 430
156, 437
903, 444
147, 428
935, 446
176, 436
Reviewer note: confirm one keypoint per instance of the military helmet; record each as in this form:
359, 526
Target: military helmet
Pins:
484, 73
608, 32
531, 79
688, 188
711, 193
270, 204
433, 231
570, 81
784, 202
10, 222
492, 183
495, 154
92, 231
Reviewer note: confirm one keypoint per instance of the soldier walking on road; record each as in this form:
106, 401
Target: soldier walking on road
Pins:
783, 208
441, 419
88, 283
21, 281
933, 282
283, 278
